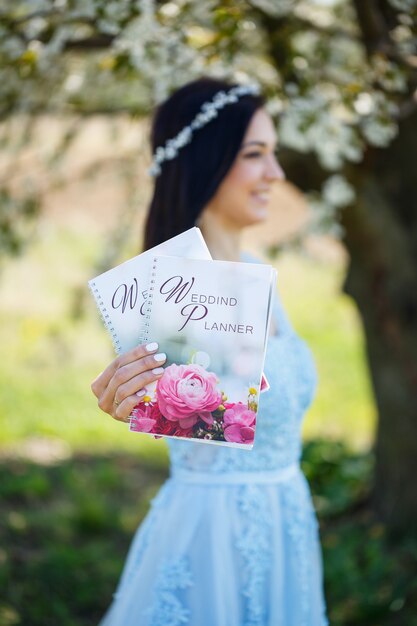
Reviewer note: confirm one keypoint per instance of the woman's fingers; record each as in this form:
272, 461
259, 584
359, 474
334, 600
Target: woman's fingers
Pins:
122, 410
102, 381
128, 379
117, 386
128, 383
127, 405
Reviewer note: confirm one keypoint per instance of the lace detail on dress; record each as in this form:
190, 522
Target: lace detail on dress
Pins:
254, 546
158, 502
298, 525
167, 609
141, 541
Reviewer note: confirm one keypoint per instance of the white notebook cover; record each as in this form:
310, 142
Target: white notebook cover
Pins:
121, 293
211, 318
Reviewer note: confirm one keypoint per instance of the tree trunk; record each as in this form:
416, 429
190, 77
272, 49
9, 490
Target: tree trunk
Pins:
381, 237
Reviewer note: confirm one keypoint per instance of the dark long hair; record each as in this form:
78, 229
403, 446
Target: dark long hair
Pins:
187, 182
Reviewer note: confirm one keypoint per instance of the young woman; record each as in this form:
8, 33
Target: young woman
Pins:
231, 538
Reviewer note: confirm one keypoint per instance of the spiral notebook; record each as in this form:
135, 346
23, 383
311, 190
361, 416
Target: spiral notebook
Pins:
212, 320
121, 293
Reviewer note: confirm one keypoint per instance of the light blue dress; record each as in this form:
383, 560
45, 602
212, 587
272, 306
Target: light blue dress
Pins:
231, 538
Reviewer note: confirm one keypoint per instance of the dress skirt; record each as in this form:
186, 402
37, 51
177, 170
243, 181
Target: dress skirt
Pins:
236, 549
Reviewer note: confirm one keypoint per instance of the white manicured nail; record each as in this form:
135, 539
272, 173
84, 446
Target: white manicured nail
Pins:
160, 357
152, 346
158, 370
141, 392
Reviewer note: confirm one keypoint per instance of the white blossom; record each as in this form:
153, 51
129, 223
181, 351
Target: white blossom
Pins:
404, 5
380, 126
324, 217
379, 132
337, 191
308, 125
363, 104
39, 5
13, 48
388, 74
327, 204
169, 9
73, 82
201, 12
35, 27
275, 8
80, 8
274, 106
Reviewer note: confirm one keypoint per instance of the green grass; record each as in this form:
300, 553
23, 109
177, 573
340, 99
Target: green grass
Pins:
65, 529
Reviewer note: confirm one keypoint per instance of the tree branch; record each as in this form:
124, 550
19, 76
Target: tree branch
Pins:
408, 107
296, 22
301, 23
375, 31
10, 21
96, 42
375, 34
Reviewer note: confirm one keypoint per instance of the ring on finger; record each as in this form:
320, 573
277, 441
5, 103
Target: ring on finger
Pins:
115, 402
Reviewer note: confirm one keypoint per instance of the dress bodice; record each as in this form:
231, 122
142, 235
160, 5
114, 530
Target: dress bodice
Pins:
291, 373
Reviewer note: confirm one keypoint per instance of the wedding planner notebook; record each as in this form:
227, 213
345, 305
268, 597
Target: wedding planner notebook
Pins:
121, 293
211, 318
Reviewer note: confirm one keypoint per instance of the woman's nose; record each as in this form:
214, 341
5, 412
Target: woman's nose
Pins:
274, 170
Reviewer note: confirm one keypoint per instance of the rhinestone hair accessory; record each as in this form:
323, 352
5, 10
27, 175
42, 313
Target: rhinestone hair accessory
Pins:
209, 111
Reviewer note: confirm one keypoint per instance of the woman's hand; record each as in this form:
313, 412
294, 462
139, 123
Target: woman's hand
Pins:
119, 388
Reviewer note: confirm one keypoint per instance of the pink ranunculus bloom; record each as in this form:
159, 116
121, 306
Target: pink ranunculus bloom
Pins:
140, 421
187, 392
239, 424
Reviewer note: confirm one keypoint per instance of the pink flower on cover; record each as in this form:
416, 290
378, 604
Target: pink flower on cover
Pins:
186, 393
239, 423
141, 422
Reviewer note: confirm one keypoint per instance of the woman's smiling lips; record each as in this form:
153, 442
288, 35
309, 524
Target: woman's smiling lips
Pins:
262, 196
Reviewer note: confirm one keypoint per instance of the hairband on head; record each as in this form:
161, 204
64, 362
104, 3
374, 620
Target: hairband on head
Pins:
208, 112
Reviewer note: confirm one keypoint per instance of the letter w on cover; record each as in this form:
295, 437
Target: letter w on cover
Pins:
176, 288
125, 295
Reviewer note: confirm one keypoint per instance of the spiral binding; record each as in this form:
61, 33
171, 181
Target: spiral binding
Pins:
105, 317
144, 331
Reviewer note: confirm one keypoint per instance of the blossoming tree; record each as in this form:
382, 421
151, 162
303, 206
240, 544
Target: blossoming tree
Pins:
342, 79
